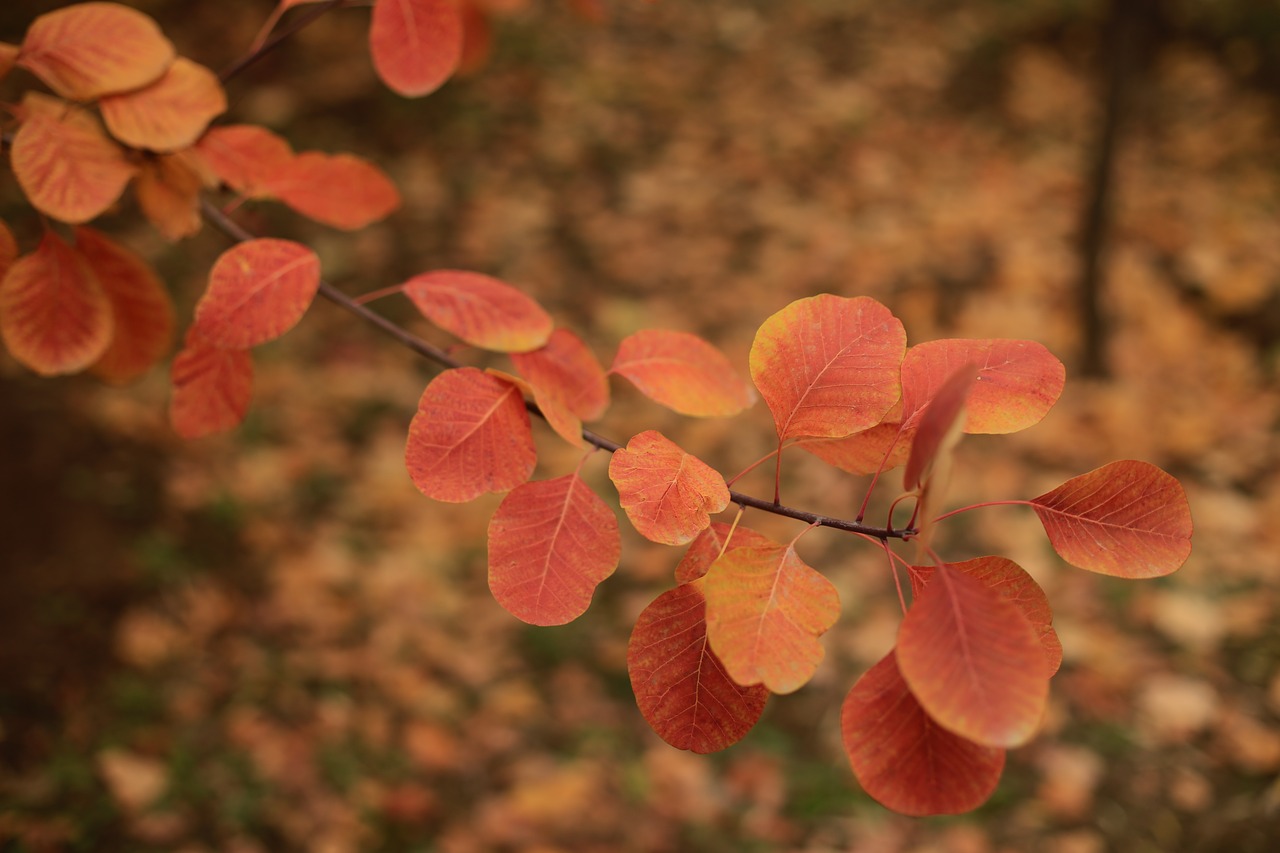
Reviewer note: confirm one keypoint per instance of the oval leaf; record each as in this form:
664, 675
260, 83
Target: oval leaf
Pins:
1128, 519
765, 611
480, 310
550, 544
1011, 581
92, 49
245, 157
54, 315
973, 661
707, 547
143, 311
416, 44
169, 114
681, 688
66, 165
828, 366
212, 388
566, 369
471, 435
258, 290
905, 760
667, 494
682, 372
343, 190
1018, 381
882, 447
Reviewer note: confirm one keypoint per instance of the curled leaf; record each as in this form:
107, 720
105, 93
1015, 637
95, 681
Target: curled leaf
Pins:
566, 369
168, 191
169, 114
668, 494
938, 427
885, 445
416, 44
480, 309
258, 290
682, 372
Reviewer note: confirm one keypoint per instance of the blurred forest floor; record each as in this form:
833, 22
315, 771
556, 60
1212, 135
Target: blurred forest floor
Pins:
270, 641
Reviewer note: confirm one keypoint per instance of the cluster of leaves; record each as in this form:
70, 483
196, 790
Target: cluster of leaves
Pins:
925, 729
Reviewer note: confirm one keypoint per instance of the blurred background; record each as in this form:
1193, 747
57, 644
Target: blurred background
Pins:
271, 641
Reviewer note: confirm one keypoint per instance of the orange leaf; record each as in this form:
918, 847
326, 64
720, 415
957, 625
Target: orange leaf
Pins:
974, 661
938, 425
1128, 519
416, 44
1018, 381
140, 304
707, 547
169, 114
258, 290
863, 452
1011, 581
551, 543
905, 760
68, 168
566, 369
682, 372
8, 249
54, 316
828, 366
765, 611
667, 494
481, 310
245, 157
342, 190
471, 435
681, 688
168, 191
90, 49
554, 411
212, 388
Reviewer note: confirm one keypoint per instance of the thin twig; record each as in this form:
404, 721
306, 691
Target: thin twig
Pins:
297, 24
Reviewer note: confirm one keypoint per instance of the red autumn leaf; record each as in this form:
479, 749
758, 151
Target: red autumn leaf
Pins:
565, 368
704, 550
66, 165
681, 688
937, 426
169, 114
168, 191
471, 436
884, 445
551, 543
1128, 519
974, 661
557, 415
245, 157
8, 249
91, 49
667, 494
416, 44
341, 190
1011, 581
1018, 381
54, 315
258, 290
143, 311
682, 372
766, 610
905, 760
212, 388
828, 366
480, 310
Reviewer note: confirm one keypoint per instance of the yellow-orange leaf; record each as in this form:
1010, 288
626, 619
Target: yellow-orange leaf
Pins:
905, 760
168, 191
828, 366
54, 316
143, 311
566, 369
90, 49
66, 165
471, 435
682, 372
169, 114
245, 157
884, 445
212, 388
416, 44
340, 190
258, 290
481, 310
551, 543
766, 610
668, 494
